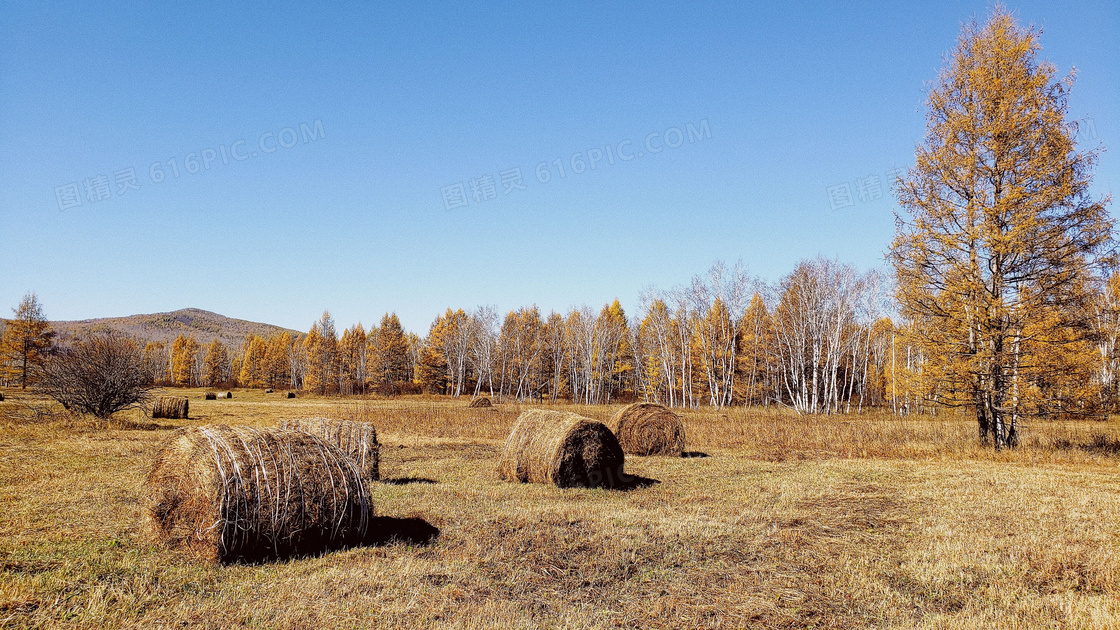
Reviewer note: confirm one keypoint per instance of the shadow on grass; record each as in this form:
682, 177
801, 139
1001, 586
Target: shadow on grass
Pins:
386, 530
694, 454
629, 483
130, 425
1100, 443
383, 530
404, 481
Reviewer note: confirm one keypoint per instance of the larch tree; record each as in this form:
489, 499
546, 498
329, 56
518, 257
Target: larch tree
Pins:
216, 366
184, 355
999, 240
321, 344
392, 353
27, 340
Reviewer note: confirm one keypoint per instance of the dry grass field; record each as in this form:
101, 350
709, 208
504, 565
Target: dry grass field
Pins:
775, 522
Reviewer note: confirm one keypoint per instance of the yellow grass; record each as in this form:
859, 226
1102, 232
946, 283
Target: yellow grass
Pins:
843, 522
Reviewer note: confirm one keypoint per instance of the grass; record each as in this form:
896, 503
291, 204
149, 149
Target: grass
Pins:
839, 522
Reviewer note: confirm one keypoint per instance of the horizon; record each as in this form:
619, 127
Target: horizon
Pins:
289, 164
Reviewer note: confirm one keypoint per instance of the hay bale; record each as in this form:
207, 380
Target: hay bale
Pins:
268, 391
357, 439
172, 407
210, 396
648, 429
229, 395
561, 448
479, 402
291, 394
238, 493
1, 396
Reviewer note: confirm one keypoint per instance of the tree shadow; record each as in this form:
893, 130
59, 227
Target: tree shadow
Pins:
694, 454
404, 481
386, 530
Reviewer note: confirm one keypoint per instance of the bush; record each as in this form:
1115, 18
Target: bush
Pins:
99, 375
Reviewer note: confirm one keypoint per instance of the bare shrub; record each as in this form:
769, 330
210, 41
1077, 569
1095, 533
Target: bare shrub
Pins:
99, 375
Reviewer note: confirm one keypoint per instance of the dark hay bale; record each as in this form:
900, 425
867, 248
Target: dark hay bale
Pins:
210, 396
648, 429
561, 448
291, 394
268, 391
229, 395
172, 407
1, 396
481, 401
357, 439
242, 494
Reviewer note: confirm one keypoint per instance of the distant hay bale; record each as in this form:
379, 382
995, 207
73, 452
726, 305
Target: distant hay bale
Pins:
268, 391
1, 396
357, 439
561, 448
172, 407
291, 394
229, 395
648, 429
210, 396
481, 401
238, 493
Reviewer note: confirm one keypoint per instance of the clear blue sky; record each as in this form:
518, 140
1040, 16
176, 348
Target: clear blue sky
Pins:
413, 99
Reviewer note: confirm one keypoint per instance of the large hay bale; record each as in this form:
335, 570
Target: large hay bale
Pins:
481, 401
357, 439
229, 395
561, 448
1, 396
237, 493
291, 394
648, 429
210, 396
172, 407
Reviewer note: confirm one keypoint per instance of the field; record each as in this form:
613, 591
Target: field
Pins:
775, 521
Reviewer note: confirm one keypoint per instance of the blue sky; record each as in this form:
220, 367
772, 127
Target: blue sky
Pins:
352, 122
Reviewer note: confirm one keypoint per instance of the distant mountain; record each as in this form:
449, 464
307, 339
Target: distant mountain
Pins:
166, 327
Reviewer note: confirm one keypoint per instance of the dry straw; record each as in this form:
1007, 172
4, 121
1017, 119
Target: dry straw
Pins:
648, 429
480, 402
561, 448
357, 439
242, 494
173, 407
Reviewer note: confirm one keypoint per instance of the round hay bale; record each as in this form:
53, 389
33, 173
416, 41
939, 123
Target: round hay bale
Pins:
561, 448
1, 396
479, 402
268, 391
210, 396
357, 439
171, 407
291, 394
648, 429
229, 395
237, 493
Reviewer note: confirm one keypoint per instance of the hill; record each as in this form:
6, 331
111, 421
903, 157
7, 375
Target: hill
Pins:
165, 327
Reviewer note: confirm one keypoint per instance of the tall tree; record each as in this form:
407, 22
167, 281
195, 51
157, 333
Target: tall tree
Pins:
1000, 236
216, 368
322, 356
27, 340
